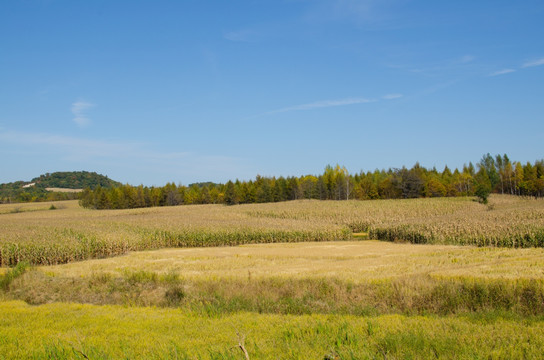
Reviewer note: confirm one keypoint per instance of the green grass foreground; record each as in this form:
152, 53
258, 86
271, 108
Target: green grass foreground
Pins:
76, 331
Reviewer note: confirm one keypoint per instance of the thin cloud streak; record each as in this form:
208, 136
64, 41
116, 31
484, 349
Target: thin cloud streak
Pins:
74, 146
466, 59
126, 155
533, 63
85, 148
323, 104
392, 96
79, 109
502, 72
327, 104
528, 64
456, 64
240, 36
372, 14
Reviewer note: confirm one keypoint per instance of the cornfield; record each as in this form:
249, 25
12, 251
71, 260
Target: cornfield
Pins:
506, 222
38, 235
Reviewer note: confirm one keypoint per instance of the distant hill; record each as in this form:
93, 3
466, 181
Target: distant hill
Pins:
74, 180
203, 184
53, 186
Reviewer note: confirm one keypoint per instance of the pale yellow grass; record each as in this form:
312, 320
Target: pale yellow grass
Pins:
351, 261
12, 210
64, 190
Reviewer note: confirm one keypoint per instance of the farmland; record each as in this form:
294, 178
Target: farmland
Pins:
32, 233
289, 278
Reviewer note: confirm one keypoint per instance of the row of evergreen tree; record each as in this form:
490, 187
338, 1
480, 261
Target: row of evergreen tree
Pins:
492, 174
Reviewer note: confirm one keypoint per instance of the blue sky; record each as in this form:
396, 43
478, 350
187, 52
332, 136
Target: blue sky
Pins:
182, 91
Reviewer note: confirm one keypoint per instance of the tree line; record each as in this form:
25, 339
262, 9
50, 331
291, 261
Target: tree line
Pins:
492, 174
15, 193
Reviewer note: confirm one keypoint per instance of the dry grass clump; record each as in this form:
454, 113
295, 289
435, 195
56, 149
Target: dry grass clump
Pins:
412, 295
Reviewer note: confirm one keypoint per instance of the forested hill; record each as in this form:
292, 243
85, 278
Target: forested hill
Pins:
74, 180
36, 189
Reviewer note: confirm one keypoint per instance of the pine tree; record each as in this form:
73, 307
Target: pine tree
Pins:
231, 198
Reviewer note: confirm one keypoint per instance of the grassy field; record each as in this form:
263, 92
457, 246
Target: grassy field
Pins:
75, 331
357, 278
354, 261
327, 300
162, 282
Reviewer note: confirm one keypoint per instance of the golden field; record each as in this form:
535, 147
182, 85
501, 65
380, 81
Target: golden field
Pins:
33, 233
355, 261
189, 282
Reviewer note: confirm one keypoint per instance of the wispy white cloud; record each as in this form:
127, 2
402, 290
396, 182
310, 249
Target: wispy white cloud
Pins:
359, 9
367, 13
435, 88
79, 110
129, 157
73, 146
392, 96
466, 59
245, 35
329, 103
533, 63
323, 104
77, 148
527, 64
502, 72
432, 68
